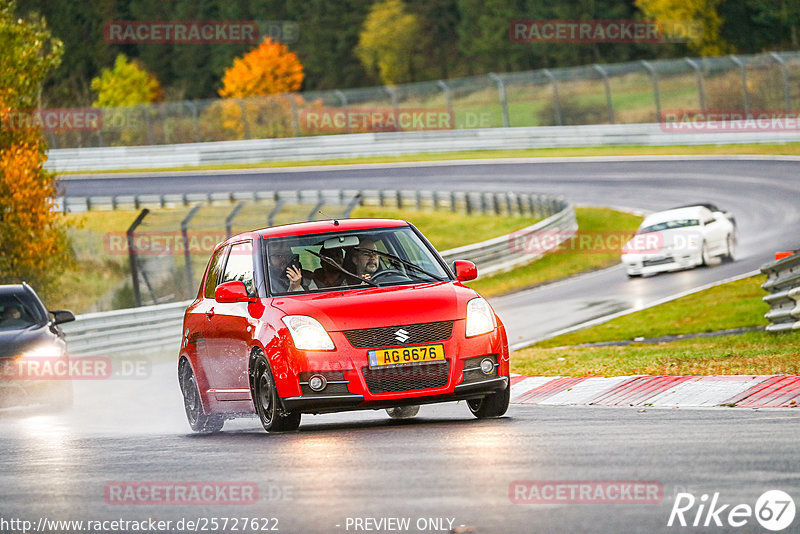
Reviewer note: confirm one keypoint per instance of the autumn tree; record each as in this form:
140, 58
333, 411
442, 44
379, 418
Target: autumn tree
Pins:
271, 68
389, 41
127, 84
33, 244
705, 13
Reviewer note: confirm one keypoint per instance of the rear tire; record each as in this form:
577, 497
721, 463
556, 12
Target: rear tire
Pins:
198, 420
267, 404
402, 412
730, 253
493, 405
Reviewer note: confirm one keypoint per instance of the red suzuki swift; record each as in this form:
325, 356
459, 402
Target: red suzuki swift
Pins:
330, 316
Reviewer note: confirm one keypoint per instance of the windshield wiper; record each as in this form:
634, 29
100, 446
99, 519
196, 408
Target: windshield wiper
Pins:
392, 257
345, 271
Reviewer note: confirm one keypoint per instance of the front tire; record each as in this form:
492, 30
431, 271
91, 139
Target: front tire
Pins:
493, 405
705, 258
267, 405
198, 420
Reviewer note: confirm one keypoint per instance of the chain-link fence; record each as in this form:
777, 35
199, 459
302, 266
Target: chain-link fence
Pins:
624, 93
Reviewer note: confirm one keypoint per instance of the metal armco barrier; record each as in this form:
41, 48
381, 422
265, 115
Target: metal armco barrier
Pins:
783, 285
391, 144
159, 327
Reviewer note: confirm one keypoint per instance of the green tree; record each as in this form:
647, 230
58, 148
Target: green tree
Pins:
32, 238
389, 42
127, 84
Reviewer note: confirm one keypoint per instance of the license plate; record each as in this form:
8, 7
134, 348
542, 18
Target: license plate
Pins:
406, 355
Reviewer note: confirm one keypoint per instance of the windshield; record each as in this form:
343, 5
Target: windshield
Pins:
348, 260
669, 225
18, 311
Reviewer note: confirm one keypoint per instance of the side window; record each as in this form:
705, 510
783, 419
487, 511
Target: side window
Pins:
213, 273
240, 266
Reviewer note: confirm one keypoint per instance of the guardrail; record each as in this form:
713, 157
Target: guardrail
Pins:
391, 144
783, 284
159, 326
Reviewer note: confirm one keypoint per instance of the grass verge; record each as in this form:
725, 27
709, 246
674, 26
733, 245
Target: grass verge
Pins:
783, 149
567, 261
749, 353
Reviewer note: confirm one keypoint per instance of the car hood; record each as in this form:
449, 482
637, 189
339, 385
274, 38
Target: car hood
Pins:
14, 342
381, 306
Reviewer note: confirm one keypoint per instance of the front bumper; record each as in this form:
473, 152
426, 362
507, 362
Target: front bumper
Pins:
338, 403
644, 264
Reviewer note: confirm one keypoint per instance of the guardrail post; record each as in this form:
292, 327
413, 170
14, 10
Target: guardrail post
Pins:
187, 260
787, 96
295, 123
380, 197
279, 202
399, 196
558, 112
484, 203
607, 87
435, 201
419, 200
343, 99
743, 73
501, 92
509, 209
137, 295
701, 93
229, 219
193, 107
498, 210
656, 91
448, 99
245, 128
468, 203
393, 95
453, 201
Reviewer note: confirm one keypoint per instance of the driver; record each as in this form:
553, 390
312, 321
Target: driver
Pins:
285, 274
366, 262
12, 316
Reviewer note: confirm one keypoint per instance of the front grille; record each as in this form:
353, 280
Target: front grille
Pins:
656, 261
406, 378
388, 336
472, 369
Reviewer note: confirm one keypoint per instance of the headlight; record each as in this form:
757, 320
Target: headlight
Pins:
44, 351
307, 333
480, 317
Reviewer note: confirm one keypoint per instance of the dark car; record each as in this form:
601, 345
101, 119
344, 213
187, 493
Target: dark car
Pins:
34, 365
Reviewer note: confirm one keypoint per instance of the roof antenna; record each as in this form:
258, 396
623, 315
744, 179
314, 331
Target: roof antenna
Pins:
335, 222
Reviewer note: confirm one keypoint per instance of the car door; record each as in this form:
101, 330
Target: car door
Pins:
200, 313
229, 330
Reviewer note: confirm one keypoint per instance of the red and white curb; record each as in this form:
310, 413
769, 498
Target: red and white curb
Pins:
749, 391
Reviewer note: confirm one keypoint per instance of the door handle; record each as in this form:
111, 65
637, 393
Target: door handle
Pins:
210, 313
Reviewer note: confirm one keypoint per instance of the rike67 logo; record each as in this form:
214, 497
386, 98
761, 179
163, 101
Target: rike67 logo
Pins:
774, 510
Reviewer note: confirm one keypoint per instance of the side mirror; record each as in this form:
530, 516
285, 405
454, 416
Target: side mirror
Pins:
465, 270
233, 291
62, 316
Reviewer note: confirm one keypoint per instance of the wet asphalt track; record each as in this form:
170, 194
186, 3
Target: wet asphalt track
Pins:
444, 463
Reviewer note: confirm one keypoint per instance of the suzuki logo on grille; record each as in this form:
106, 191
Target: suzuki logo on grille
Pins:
401, 335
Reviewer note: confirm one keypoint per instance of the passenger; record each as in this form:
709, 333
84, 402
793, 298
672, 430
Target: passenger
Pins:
12, 316
286, 274
328, 275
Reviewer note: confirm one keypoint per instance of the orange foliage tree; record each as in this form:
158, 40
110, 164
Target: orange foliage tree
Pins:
270, 68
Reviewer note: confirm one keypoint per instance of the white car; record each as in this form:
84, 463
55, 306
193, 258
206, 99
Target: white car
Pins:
679, 238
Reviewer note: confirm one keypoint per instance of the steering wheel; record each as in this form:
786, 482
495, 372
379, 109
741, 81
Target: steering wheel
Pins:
388, 272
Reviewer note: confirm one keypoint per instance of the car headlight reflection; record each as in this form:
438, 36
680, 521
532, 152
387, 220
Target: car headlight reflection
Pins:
44, 351
307, 333
480, 317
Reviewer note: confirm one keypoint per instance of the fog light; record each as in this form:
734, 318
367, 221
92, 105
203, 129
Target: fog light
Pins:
317, 383
487, 366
